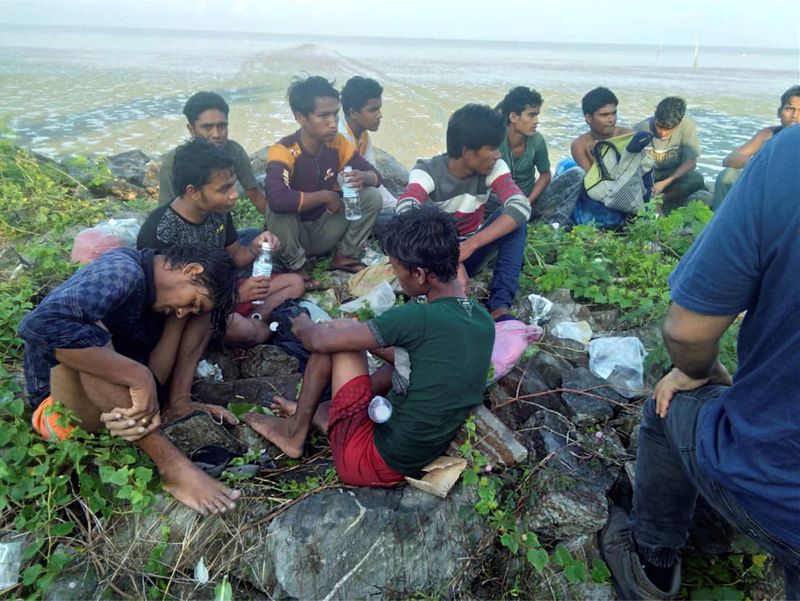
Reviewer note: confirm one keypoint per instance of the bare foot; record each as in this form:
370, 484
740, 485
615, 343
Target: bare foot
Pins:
276, 430
196, 489
283, 407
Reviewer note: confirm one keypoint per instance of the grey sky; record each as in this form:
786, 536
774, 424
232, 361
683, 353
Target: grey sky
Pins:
764, 23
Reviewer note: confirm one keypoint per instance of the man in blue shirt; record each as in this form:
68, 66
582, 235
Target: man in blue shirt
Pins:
736, 443
118, 340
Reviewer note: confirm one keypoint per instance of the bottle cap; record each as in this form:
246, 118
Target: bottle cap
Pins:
266, 246
274, 326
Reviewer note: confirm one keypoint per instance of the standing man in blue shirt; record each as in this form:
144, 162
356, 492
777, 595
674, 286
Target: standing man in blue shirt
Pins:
736, 443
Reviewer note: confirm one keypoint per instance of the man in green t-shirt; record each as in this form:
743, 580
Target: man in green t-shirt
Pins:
207, 116
424, 345
674, 150
523, 148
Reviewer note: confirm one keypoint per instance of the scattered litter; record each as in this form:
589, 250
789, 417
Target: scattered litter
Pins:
380, 299
440, 475
373, 257
208, 371
620, 361
541, 308
92, 242
511, 338
201, 572
11, 550
365, 280
316, 312
579, 331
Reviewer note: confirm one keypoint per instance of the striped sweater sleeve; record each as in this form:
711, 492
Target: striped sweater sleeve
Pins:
280, 165
420, 185
515, 203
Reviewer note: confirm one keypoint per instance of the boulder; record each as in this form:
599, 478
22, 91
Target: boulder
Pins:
494, 439
129, 166
267, 360
258, 391
394, 175
593, 401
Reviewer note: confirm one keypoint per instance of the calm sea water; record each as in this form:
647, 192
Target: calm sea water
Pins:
107, 91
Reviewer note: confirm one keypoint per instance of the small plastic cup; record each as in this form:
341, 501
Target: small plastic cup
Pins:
380, 409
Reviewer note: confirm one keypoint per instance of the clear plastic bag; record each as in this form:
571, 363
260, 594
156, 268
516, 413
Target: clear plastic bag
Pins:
106, 235
380, 299
620, 361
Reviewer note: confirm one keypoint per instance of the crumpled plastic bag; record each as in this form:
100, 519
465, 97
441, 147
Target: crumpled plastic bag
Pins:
620, 361
511, 338
540, 307
367, 279
579, 331
380, 299
92, 242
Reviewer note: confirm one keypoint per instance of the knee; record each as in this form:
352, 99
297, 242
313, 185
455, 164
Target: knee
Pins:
294, 285
371, 200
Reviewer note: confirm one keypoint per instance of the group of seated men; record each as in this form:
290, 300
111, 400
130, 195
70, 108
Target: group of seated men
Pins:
117, 344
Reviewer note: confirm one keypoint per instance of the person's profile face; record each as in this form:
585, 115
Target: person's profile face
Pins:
527, 121
211, 125
369, 116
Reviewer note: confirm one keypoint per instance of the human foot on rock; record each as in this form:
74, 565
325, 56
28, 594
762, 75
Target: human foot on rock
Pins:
196, 489
276, 431
283, 407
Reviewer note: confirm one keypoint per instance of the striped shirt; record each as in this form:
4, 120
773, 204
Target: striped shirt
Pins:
430, 179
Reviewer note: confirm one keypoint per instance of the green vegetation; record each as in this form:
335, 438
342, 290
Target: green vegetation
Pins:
57, 493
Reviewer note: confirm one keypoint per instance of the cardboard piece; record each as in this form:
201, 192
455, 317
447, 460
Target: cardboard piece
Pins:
441, 474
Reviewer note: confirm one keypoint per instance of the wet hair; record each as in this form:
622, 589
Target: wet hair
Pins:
425, 238
670, 111
218, 277
303, 93
473, 126
788, 94
596, 99
517, 99
357, 91
195, 163
202, 102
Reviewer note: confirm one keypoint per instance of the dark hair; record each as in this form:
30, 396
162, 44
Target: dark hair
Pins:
303, 93
517, 99
670, 111
473, 126
596, 99
357, 91
426, 238
790, 93
218, 277
195, 163
202, 102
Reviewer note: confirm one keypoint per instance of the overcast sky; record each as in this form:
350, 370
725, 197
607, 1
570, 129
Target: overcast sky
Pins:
759, 23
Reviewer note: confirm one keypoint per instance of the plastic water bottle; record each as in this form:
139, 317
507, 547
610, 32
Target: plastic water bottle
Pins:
380, 409
352, 207
263, 265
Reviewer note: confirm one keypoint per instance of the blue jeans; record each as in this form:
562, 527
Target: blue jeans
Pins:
668, 480
510, 250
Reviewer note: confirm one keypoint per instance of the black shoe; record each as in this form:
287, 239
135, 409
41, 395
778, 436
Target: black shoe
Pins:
617, 550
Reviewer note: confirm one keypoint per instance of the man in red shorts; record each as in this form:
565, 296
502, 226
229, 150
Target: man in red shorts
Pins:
424, 345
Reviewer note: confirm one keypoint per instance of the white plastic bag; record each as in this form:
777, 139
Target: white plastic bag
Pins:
106, 235
540, 307
620, 361
379, 299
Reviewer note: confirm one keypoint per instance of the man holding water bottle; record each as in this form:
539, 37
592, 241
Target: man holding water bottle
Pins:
309, 186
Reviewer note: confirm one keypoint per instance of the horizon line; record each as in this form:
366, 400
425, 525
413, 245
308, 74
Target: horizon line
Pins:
231, 32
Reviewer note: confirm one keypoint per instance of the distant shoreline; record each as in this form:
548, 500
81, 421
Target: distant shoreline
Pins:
310, 38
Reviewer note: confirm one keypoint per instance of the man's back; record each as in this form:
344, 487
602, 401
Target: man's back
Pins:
442, 354
748, 258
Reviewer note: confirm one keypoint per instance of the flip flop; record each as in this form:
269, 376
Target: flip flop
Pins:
352, 267
212, 459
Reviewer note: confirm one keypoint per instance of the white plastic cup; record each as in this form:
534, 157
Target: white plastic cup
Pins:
380, 409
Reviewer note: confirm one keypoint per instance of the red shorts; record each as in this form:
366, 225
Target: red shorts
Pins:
350, 431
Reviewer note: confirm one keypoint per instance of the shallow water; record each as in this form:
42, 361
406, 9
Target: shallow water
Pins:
101, 91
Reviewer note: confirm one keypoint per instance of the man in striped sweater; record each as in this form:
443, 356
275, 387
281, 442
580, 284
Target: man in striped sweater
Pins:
459, 182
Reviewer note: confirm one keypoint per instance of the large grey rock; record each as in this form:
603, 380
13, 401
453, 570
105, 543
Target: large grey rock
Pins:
570, 499
494, 439
522, 392
551, 367
130, 166
593, 401
258, 391
564, 308
394, 175
356, 544
267, 360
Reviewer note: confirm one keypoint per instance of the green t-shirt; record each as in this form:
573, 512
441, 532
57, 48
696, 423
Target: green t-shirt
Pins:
681, 145
522, 167
442, 354
241, 165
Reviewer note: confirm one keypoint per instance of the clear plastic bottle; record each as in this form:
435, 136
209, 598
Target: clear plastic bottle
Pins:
380, 409
352, 206
263, 265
